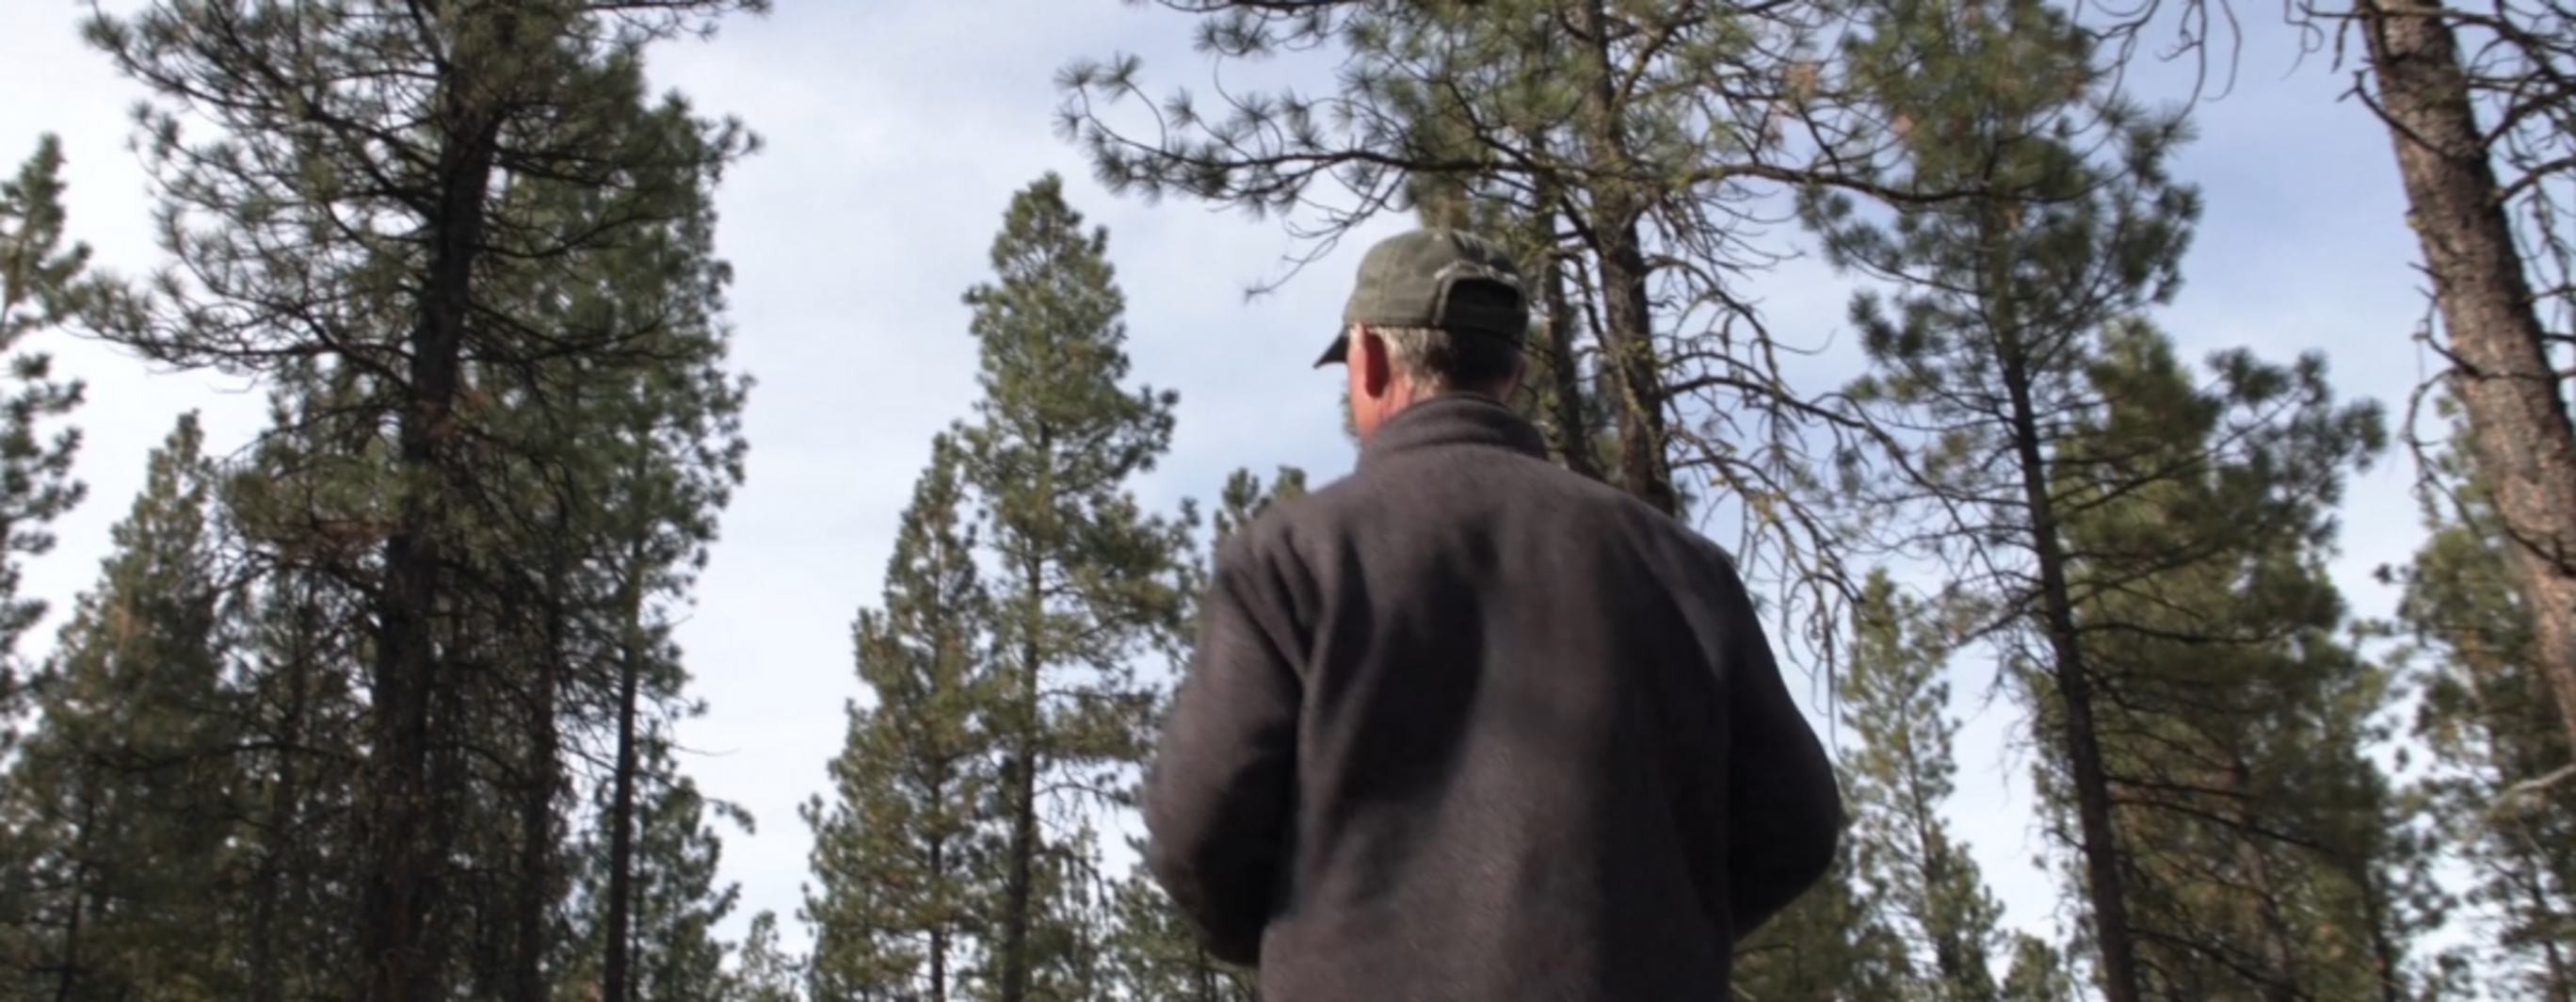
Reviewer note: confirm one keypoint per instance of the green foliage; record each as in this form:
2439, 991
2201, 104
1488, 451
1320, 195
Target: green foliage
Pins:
675, 896
2260, 842
1084, 581
900, 873
763, 972
1978, 369
469, 256
2146, 551
959, 855
42, 285
1153, 954
2496, 739
1245, 498
1900, 778
2039, 973
122, 812
678, 900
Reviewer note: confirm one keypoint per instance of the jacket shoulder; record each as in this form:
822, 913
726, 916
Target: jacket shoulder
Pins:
1666, 533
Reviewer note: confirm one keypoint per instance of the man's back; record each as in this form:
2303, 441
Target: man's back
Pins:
1465, 725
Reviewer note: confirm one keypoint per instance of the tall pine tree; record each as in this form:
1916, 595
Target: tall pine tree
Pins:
1083, 584
41, 285
675, 897
302, 716
2000, 298
2474, 102
900, 876
125, 803
392, 220
2238, 726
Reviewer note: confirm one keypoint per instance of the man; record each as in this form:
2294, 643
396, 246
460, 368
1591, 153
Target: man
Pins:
1464, 725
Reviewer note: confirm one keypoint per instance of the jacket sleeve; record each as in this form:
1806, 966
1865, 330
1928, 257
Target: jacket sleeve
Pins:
1217, 797
1785, 810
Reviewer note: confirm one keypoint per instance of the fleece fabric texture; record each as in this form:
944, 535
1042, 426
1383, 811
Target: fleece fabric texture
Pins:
1465, 725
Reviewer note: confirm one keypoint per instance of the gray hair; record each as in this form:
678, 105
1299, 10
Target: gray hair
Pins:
1441, 361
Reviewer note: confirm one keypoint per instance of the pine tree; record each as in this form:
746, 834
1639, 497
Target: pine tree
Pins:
763, 972
301, 718
673, 900
404, 220
1900, 774
2000, 298
125, 801
300, 723
42, 284
652, 467
2237, 725
2044, 427
2492, 724
900, 878
1083, 581
678, 901
2038, 973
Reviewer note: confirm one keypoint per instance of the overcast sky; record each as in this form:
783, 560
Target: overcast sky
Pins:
896, 132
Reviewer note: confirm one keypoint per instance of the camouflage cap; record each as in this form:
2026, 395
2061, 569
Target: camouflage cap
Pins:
1454, 281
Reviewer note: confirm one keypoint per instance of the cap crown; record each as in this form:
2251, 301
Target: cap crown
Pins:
1447, 279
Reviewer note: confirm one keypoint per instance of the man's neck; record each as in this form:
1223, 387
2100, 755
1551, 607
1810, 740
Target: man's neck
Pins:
1453, 417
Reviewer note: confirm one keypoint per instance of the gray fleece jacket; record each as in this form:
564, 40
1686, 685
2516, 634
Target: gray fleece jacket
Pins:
1465, 725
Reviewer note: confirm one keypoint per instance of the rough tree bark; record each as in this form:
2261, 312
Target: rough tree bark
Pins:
2518, 422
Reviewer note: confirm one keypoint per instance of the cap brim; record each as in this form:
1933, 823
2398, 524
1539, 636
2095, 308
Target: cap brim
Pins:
1338, 352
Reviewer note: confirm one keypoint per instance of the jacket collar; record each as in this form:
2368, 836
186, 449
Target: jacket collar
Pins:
1453, 420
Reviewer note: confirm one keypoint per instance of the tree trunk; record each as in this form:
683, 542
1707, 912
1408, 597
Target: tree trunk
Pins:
2518, 422
68, 974
278, 842
405, 866
614, 969
2560, 985
2280, 952
536, 878
939, 932
1565, 377
1627, 327
2386, 960
1019, 886
2104, 887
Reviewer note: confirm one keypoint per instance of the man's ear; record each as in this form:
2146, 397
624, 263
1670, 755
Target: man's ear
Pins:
1368, 351
1519, 379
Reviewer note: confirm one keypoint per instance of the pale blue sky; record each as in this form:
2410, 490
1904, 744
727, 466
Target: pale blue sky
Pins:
897, 131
